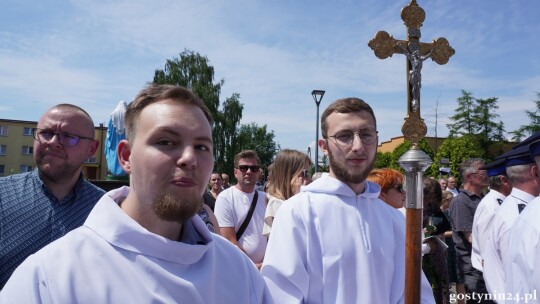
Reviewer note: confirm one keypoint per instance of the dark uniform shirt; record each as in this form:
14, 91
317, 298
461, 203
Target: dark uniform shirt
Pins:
32, 217
461, 212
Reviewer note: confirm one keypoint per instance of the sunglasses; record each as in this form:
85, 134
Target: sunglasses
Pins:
399, 188
244, 168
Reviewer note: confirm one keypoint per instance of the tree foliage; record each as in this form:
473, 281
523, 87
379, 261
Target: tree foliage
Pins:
383, 160
533, 126
253, 137
456, 150
490, 130
463, 119
477, 118
194, 71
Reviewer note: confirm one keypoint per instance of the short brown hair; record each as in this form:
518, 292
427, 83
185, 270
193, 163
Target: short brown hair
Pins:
154, 93
345, 105
249, 154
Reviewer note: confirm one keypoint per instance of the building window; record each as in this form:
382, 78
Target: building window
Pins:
3, 130
27, 131
3, 149
2, 169
27, 150
91, 160
25, 168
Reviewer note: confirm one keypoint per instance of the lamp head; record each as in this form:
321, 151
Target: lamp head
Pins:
317, 96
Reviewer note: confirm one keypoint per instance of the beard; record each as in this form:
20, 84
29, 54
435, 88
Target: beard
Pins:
172, 208
345, 174
56, 173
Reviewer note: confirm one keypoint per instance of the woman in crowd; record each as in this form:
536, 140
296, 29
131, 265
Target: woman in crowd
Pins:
391, 182
436, 224
454, 276
215, 186
290, 170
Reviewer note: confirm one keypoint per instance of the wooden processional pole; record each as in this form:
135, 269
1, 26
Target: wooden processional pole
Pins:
414, 161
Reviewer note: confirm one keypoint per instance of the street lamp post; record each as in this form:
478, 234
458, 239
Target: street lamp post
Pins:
317, 96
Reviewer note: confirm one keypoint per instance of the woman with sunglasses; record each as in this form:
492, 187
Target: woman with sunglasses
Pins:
290, 171
391, 182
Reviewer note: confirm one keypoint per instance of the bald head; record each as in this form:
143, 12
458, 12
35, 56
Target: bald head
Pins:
85, 122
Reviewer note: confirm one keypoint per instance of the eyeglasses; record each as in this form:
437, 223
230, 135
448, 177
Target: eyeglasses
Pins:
345, 138
399, 188
481, 172
65, 139
244, 168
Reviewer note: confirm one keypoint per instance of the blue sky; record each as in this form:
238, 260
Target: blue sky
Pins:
274, 53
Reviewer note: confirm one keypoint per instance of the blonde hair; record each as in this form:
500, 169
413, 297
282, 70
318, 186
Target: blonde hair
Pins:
447, 195
287, 165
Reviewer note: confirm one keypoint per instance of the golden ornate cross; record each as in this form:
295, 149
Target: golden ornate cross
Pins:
439, 50
414, 161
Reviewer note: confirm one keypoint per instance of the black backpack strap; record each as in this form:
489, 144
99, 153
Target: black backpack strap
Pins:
244, 225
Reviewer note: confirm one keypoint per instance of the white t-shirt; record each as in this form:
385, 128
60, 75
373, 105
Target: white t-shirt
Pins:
113, 259
232, 206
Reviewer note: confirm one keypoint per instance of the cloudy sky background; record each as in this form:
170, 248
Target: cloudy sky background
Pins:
274, 53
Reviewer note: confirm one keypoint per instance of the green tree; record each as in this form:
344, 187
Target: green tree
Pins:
490, 131
463, 119
253, 137
477, 117
383, 160
456, 150
533, 126
193, 71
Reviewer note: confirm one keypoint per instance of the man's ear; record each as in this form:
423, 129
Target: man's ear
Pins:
534, 171
123, 152
323, 144
93, 147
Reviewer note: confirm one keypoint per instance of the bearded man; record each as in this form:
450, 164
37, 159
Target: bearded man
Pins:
38, 207
336, 241
145, 243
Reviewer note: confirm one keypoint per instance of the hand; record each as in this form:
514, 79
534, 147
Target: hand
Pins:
432, 243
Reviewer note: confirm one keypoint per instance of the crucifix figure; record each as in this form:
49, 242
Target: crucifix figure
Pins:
414, 161
415, 75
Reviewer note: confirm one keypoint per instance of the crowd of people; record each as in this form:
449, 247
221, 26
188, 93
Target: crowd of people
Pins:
180, 233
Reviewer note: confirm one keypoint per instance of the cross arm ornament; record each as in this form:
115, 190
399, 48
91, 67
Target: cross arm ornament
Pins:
384, 46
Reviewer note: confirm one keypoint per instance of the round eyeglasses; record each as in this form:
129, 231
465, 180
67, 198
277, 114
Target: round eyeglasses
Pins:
345, 138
